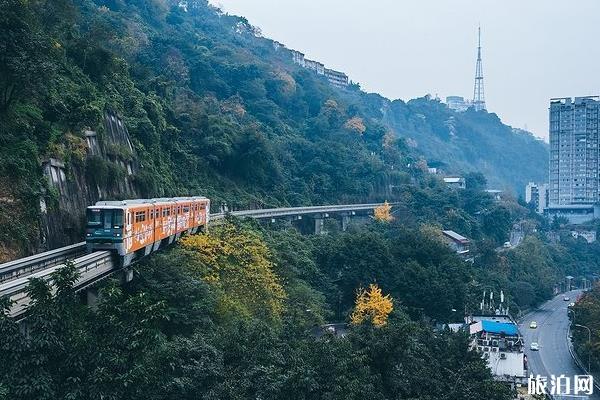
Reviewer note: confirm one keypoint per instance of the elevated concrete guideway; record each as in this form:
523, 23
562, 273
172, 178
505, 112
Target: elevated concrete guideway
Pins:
317, 213
297, 211
15, 275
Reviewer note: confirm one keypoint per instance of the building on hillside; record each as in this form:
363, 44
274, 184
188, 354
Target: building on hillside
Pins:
495, 193
574, 144
588, 235
336, 78
498, 341
457, 242
575, 213
458, 103
537, 196
316, 66
298, 58
456, 182
278, 45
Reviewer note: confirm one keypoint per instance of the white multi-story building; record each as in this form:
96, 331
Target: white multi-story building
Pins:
458, 103
336, 78
316, 66
298, 58
537, 195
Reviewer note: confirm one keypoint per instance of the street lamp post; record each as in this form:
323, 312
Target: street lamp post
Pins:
589, 343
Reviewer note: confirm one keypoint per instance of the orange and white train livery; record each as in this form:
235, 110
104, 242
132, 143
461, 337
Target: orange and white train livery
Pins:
135, 228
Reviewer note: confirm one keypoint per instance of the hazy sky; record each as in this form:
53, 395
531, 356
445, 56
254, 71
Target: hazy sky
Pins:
533, 50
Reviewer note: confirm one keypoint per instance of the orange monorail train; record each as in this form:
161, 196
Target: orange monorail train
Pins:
135, 228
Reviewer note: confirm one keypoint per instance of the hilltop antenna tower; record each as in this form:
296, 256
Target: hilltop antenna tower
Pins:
478, 94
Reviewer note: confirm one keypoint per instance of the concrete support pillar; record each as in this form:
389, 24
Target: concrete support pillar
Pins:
127, 275
92, 298
319, 226
345, 222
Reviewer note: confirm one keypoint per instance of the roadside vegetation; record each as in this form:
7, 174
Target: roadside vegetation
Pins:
586, 313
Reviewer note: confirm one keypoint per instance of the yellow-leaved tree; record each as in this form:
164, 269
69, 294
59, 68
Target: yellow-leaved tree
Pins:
356, 125
384, 212
237, 263
372, 305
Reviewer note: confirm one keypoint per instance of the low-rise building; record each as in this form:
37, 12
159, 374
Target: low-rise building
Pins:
457, 242
316, 66
588, 235
298, 58
574, 213
498, 341
278, 45
336, 78
456, 182
458, 103
495, 193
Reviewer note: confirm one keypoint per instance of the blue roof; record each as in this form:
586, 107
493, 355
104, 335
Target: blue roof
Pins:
508, 328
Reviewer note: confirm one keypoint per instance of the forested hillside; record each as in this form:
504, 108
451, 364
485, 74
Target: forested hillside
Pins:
211, 108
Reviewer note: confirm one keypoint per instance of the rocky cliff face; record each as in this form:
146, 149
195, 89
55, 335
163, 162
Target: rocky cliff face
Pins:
106, 172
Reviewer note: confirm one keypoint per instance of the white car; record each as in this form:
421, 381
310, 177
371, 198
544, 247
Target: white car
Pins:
534, 346
533, 325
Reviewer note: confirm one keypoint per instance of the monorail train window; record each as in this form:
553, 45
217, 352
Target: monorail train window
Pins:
186, 209
118, 218
107, 218
94, 216
140, 216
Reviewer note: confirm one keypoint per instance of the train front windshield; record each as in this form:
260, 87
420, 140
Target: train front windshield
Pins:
99, 218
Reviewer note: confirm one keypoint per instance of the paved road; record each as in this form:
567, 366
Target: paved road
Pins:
553, 358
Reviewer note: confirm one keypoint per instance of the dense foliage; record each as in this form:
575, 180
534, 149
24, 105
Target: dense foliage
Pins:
235, 313
166, 335
586, 313
212, 108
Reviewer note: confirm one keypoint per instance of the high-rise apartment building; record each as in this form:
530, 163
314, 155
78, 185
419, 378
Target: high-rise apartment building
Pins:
574, 151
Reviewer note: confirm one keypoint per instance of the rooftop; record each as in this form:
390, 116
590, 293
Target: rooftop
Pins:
508, 328
455, 236
453, 179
